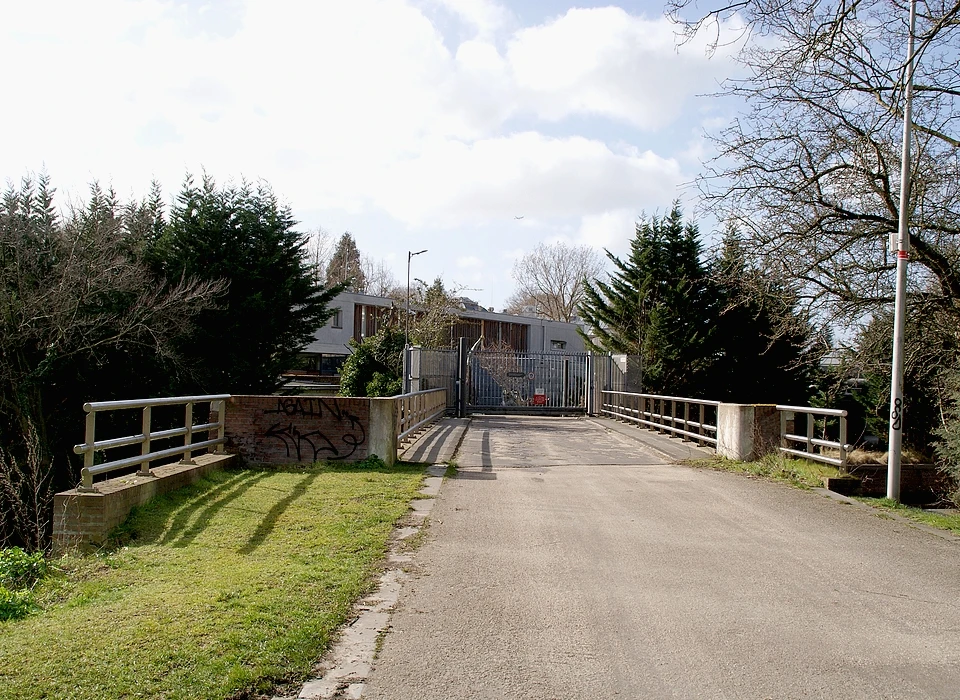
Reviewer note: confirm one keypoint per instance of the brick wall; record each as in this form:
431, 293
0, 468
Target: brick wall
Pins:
919, 483
289, 429
82, 519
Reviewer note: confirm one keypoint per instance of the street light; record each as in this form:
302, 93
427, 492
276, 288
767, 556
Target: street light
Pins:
903, 255
406, 325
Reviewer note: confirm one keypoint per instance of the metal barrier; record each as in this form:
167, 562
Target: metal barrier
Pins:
146, 437
809, 441
661, 413
418, 408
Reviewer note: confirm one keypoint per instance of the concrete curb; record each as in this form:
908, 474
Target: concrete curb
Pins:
649, 439
343, 670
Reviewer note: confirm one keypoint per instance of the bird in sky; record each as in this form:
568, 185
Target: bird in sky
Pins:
518, 217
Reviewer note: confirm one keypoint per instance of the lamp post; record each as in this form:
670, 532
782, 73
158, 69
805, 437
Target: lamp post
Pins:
406, 319
903, 255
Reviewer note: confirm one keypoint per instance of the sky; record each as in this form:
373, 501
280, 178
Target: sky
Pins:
473, 129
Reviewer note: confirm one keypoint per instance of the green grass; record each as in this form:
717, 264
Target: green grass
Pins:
942, 521
798, 472
219, 590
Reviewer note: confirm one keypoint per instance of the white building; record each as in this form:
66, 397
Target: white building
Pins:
358, 316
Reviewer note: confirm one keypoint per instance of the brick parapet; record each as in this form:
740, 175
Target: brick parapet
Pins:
83, 519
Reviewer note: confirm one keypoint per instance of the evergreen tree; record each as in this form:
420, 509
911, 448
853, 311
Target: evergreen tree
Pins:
272, 305
345, 266
658, 303
763, 348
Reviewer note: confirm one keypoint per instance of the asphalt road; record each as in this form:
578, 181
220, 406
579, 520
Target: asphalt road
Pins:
566, 561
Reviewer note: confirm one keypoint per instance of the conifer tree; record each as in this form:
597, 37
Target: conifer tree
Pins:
345, 266
763, 349
658, 303
272, 306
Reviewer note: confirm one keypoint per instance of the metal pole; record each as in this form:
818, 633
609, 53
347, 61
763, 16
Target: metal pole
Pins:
406, 320
903, 255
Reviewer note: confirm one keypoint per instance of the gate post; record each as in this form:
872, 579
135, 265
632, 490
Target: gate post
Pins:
462, 378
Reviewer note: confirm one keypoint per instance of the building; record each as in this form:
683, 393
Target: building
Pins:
358, 316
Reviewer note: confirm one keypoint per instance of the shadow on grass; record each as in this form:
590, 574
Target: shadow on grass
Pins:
206, 508
270, 519
177, 518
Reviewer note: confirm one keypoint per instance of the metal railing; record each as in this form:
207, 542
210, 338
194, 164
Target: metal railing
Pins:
689, 418
146, 437
419, 408
810, 443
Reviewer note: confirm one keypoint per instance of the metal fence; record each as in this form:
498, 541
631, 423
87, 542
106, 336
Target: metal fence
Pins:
147, 437
434, 369
417, 409
694, 419
525, 381
822, 421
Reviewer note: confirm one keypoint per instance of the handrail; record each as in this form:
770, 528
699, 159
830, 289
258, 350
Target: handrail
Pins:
416, 409
660, 418
787, 440
91, 445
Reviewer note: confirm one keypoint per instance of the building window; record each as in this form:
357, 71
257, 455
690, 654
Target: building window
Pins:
558, 344
336, 321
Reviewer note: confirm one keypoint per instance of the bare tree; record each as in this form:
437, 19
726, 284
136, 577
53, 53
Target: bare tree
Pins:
551, 278
72, 292
810, 174
319, 251
378, 278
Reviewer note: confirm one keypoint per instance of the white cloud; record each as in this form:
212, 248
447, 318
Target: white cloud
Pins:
364, 113
603, 61
523, 174
468, 261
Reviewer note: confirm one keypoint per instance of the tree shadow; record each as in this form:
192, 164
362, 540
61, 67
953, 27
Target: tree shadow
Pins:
269, 520
207, 507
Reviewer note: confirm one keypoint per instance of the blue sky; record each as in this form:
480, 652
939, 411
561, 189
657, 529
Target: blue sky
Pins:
411, 123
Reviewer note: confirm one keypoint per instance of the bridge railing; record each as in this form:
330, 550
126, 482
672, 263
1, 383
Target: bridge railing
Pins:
694, 419
813, 447
417, 409
147, 437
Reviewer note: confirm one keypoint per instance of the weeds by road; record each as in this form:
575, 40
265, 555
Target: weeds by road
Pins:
219, 590
806, 474
798, 472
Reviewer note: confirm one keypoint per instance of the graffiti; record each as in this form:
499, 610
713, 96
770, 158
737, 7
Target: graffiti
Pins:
315, 444
308, 407
896, 415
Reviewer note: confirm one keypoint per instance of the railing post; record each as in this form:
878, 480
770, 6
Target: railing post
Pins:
686, 421
221, 425
783, 429
188, 436
145, 445
701, 418
811, 422
89, 439
843, 444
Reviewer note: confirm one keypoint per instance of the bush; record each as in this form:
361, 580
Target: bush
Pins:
375, 367
948, 447
15, 604
20, 570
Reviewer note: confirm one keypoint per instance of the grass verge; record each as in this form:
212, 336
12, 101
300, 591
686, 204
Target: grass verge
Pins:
941, 521
219, 590
806, 474
798, 472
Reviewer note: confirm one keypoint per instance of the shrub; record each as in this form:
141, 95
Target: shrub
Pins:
948, 447
15, 604
21, 570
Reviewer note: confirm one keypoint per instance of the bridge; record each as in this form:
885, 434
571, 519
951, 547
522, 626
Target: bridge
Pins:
577, 558
582, 556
